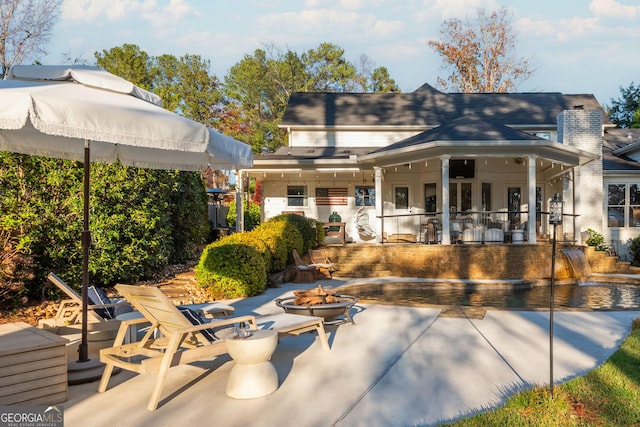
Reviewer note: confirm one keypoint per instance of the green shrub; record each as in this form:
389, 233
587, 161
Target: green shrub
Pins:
634, 250
276, 245
251, 239
251, 215
231, 270
306, 227
596, 239
289, 233
141, 219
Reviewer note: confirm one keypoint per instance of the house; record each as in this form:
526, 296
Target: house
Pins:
436, 167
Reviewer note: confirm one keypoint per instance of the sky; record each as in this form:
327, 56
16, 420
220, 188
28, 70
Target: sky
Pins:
576, 46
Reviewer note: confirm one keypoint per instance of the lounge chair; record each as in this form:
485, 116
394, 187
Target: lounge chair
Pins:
305, 273
101, 310
185, 337
320, 259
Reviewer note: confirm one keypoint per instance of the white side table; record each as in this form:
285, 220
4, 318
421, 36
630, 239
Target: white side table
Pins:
252, 375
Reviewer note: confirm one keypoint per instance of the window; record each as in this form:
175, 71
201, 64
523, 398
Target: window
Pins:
430, 197
623, 200
615, 204
296, 195
365, 196
634, 205
402, 197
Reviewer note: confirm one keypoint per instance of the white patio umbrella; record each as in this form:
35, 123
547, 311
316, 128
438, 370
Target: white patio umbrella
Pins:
86, 114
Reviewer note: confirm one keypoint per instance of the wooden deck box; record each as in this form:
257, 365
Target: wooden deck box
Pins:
33, 366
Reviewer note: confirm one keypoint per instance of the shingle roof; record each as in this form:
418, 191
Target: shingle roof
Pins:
301, 153
465, 129
429, 108
615, 139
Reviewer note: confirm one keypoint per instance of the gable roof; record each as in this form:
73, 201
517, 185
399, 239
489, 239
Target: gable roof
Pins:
465, 129
428, 107
473, 136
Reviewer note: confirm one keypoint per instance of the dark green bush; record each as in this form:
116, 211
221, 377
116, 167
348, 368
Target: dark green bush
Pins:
634, 250
231, 270
141, 220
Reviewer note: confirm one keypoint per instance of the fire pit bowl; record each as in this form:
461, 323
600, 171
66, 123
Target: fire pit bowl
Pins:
328, 311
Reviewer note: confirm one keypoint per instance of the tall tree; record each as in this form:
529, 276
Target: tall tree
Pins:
625, 111
381, 81
187, 87
329, 71
480, 56
129, 62
25, 29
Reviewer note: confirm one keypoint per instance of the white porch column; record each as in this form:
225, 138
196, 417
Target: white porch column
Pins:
531, 179
446, 236
577, 206
379, 204
239, 203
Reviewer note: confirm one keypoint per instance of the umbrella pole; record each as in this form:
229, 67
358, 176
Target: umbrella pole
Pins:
83, 350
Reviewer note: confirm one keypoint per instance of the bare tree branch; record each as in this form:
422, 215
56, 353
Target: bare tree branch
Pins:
25, 29
480, 56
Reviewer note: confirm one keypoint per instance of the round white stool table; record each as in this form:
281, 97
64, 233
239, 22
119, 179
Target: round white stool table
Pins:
252, 375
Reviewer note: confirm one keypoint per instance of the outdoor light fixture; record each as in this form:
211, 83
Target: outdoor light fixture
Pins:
555, 208
555, 218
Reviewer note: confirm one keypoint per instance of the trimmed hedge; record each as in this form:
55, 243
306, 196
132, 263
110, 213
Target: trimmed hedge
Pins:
237, 265
231, 270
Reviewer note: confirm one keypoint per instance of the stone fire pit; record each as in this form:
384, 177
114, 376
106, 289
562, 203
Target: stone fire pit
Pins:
320, 302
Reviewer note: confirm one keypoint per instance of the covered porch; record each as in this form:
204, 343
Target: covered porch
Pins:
466, 181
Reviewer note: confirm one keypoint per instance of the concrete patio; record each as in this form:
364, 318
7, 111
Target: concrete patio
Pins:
398, 366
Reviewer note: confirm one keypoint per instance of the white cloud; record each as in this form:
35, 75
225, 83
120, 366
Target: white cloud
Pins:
346, 24
559, 30
115, 10
447, 9
612, 8
90, 10
165, 16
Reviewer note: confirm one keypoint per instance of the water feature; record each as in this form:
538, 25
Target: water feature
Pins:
599, 296
579, 264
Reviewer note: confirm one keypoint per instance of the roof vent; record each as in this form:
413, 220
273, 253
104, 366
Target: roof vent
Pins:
578, 107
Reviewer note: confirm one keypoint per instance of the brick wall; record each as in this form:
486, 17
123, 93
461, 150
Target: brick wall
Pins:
582, 129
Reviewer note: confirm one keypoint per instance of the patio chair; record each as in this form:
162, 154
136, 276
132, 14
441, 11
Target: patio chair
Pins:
305, 273
321, 260
184, 337
101, 309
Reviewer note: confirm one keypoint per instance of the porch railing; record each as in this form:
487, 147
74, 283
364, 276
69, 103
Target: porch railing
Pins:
427, 227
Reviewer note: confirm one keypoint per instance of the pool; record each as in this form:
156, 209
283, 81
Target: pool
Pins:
596, 296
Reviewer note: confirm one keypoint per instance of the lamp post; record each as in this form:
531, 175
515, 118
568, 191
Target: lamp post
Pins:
555, 218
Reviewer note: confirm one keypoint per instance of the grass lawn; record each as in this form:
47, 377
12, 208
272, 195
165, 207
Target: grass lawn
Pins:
607, 396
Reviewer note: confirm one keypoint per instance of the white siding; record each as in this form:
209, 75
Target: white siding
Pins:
347, 138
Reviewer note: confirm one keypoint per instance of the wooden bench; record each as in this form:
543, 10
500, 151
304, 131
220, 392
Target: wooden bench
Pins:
33, 366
